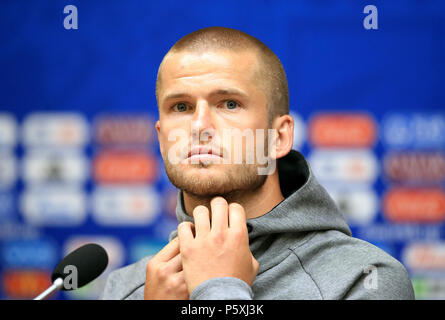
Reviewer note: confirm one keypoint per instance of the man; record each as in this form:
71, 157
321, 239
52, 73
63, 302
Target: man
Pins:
249, 229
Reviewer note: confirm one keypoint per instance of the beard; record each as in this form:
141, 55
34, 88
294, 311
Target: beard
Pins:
227, 180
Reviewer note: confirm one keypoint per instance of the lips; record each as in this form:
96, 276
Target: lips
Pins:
204, 151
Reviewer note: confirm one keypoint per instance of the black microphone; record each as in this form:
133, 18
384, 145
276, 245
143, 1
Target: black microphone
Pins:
83, 265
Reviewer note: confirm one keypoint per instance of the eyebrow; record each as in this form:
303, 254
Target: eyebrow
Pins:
229, 92
218, 92
176, 95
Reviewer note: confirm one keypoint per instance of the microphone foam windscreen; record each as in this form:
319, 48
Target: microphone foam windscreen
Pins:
88, 262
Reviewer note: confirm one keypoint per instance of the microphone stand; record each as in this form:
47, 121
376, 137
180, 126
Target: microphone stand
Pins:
57, 284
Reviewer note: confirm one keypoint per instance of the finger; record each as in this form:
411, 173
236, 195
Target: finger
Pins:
220, 213
175, 264
169, 251
202, 220
237, 217
185, 232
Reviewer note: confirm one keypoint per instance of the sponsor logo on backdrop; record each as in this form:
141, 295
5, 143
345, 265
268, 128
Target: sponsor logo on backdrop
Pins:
429, 287
29, 254
344, 165
55, 130
299, 131
414, 130
424, 205
380, 232
8, 173
24, 284
125, 205
124, 167
359, 205
12, 229
54, 205
7, 207
344, 130
123, 129
42, 166
116, 254
424, 256
415, 166
8, 130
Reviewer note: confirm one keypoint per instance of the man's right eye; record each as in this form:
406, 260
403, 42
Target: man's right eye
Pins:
180, 107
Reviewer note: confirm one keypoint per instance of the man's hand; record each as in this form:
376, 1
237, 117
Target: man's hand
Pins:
218, 249
164, 276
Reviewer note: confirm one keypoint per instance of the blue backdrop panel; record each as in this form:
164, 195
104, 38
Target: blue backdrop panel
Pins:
78, 106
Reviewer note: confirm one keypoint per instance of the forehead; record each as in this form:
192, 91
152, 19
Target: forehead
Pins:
239, 68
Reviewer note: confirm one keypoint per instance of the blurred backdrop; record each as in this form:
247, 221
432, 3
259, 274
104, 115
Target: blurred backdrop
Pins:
79, 158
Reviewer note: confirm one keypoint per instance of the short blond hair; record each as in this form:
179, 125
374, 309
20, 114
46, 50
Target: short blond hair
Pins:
271, 74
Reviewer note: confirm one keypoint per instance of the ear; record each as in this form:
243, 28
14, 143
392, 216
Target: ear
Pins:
285, 135
158, 130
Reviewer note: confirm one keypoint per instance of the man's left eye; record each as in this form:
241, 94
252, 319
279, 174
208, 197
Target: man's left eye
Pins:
230, 104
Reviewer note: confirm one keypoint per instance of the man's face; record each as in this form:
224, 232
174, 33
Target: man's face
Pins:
205, 96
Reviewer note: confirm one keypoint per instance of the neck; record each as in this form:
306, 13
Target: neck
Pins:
255, 203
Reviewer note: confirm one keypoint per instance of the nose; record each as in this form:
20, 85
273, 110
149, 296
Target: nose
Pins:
202, 123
